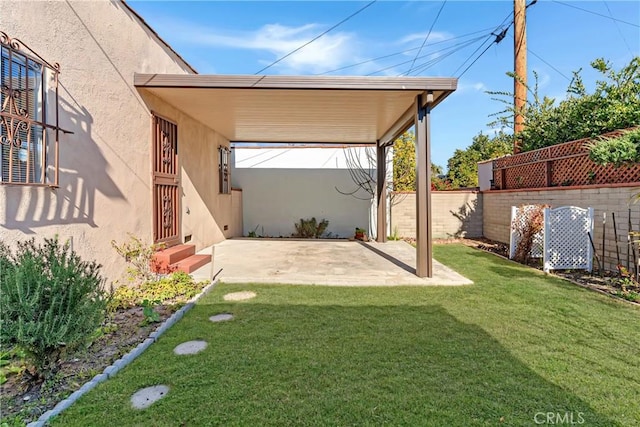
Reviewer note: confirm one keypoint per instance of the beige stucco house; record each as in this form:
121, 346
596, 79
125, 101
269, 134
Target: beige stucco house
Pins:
106, 186
105, 130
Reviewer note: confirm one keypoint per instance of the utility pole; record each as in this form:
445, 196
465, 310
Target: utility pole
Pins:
519, 68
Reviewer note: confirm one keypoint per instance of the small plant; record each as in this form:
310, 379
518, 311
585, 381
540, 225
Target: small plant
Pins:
11, 363
139, 255
310, 228
395, 236
528, 222
591, 177
175, 288
50, 301
149, 312
361, 234
253, 233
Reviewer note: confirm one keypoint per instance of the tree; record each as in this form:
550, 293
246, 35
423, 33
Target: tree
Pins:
463, 165
404, 164
362, 165
613, 105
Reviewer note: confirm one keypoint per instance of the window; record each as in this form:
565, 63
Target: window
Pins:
26, 84
224, 153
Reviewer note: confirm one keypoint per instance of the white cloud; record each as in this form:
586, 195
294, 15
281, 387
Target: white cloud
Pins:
433, 37
471, 87
328, 52
481, 87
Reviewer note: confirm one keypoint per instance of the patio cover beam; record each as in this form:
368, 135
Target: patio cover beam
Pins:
381, 168
424, 264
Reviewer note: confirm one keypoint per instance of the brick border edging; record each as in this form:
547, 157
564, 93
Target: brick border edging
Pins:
116, 366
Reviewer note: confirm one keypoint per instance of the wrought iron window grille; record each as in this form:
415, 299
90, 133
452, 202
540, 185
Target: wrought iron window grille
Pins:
224, 154
29, 116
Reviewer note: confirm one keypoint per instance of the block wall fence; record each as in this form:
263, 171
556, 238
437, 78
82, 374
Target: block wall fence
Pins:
615, 198
488, 213
455, 214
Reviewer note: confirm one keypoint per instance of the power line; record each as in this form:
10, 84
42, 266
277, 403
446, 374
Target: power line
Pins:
427, 37
596, 13
428, 64
270, 158
498, 39
618, 27
403, 52
474, 61
554, 68
459, 46
317, 37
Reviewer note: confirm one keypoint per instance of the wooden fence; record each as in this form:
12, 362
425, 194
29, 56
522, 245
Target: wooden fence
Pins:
565, 164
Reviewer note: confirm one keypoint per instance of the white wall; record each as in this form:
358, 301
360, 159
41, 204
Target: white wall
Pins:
282, 185
275, 199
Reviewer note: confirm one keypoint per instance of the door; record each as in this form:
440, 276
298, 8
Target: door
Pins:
166, 182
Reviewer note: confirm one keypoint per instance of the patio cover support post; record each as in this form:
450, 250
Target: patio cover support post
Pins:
424, 264
381, 168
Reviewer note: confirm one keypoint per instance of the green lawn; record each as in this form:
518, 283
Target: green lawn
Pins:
503, 351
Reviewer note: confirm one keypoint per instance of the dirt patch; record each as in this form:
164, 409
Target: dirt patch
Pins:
22, 399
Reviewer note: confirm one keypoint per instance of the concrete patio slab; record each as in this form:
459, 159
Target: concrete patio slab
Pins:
322, 262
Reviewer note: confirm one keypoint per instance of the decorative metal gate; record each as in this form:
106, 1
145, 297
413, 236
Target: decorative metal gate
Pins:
166, 183
566, 242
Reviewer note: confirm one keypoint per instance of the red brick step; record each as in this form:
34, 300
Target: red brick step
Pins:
192, 263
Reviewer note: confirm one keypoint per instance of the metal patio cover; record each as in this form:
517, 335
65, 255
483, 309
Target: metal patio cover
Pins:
298, 109
313, 109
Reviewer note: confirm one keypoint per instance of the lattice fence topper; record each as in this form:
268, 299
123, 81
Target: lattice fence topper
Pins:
519, 217
566, 242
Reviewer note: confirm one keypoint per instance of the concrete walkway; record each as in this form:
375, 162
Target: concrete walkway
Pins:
322, 262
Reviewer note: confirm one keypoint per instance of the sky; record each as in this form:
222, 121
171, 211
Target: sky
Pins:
390, 38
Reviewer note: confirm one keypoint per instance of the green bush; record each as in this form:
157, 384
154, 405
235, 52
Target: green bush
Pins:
50, 300
310, 228
624, 149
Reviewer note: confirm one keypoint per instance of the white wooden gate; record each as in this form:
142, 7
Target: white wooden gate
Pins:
566, 242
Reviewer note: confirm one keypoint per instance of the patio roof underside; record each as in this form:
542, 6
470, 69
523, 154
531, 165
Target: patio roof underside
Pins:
300, 109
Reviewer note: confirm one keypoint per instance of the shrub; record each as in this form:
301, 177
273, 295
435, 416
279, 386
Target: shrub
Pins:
624, 149
528, 222
310, 228
50, 300
139, 256
177, 287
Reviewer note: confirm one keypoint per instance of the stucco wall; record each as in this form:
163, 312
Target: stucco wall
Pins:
455, 214
616, 198
204, 212
105, 177
275, 199
236, 213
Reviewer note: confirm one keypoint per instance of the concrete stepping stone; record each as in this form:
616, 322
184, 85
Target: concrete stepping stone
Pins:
221, 317
239, 296
190, 347
146, 397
